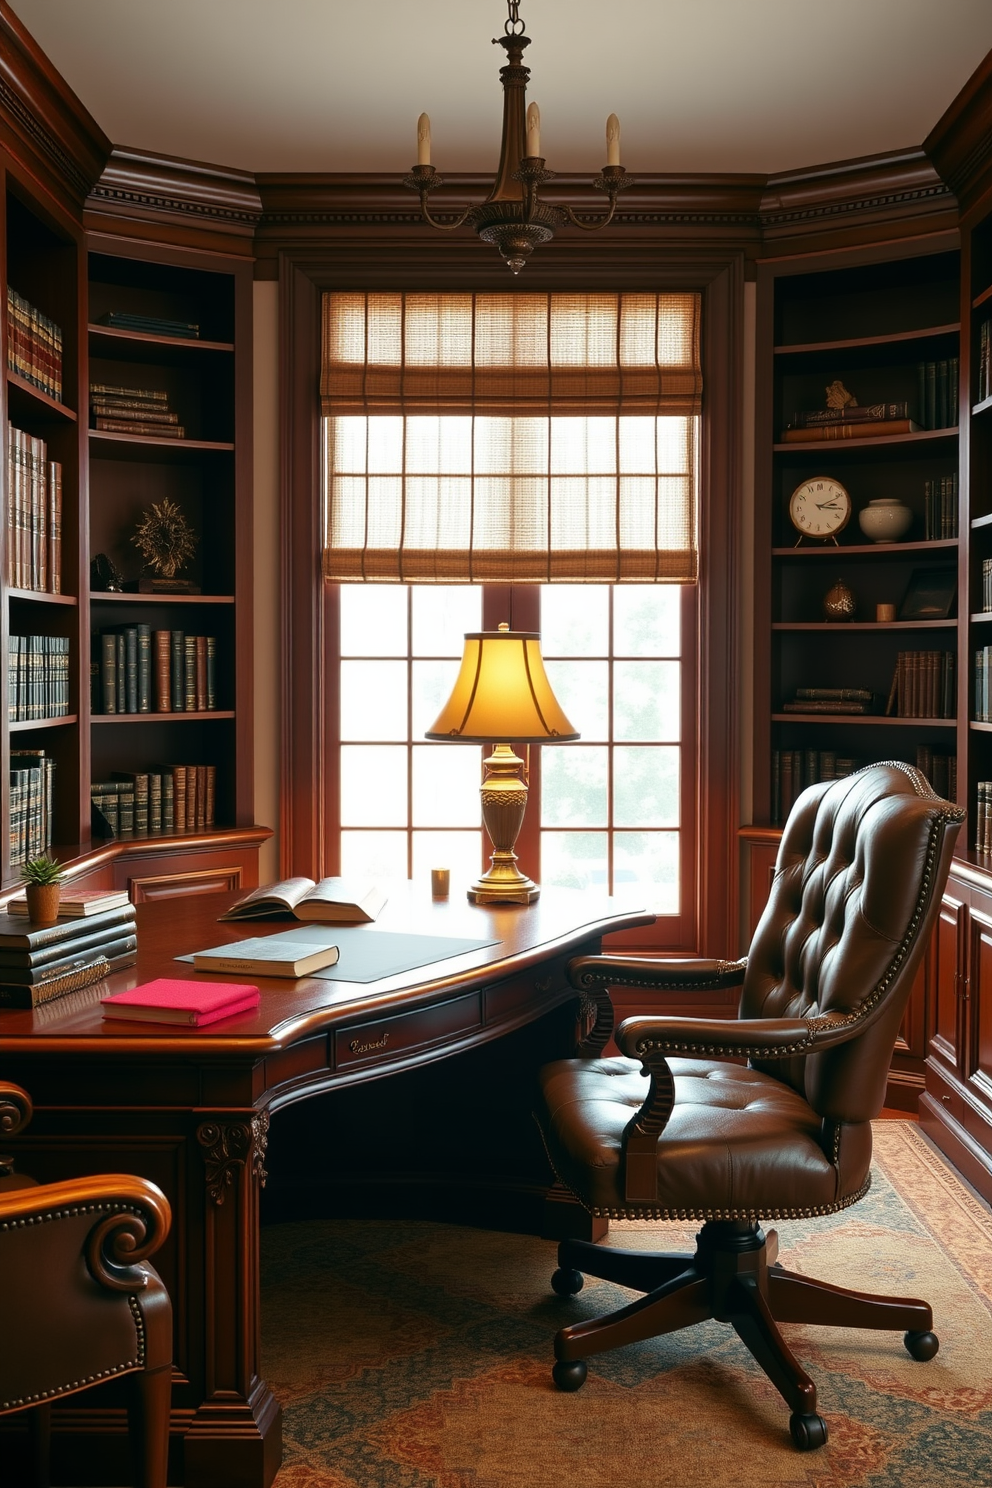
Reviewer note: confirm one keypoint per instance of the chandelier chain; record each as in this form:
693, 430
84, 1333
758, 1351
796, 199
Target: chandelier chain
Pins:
513, 25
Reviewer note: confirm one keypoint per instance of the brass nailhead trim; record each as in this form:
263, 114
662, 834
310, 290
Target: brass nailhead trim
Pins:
90, 1379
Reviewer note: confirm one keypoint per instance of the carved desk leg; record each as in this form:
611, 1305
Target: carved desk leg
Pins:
234, 1438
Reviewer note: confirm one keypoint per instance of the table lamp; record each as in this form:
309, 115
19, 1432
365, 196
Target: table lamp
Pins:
502, 692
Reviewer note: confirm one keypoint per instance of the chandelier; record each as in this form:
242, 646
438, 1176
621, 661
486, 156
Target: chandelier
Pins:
513, 217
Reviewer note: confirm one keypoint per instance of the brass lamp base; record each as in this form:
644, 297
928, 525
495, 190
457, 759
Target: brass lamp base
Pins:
504, 802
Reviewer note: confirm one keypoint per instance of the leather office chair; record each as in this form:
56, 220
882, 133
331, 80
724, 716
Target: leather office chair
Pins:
857, 886
78, 1302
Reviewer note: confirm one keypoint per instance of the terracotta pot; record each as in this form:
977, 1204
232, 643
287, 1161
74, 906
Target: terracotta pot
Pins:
43, 902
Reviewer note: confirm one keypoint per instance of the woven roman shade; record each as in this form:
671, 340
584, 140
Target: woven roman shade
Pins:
510, 437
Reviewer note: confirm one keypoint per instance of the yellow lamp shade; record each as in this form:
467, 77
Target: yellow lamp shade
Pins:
502, 692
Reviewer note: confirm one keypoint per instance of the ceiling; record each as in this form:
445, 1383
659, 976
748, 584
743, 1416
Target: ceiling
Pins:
699, 85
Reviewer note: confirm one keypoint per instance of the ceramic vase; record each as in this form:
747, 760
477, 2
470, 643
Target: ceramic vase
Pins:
886, 519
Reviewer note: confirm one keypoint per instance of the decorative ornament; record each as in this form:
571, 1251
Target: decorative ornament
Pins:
838, 397
165, 539
839, 602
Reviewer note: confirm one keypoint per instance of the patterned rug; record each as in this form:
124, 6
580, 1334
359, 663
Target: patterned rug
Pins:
418, 1355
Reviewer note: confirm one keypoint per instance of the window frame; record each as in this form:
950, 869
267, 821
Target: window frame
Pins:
404, 259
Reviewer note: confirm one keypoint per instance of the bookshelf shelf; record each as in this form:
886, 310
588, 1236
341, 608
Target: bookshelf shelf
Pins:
857, 343
99, 596
39, 596
107, 446
132, 346
829, 449
26, 725
980, 408
866, 720
868, 550
832, 627
26, 401
193, 716
981, 299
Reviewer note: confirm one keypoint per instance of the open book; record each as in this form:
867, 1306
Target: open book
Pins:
335, 900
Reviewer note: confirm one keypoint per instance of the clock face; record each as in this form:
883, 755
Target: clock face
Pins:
820, 507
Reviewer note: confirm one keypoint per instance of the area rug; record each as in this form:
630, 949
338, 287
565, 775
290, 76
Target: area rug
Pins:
418, 1355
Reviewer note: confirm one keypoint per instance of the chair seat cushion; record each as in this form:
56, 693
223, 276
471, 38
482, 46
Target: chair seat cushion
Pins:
739, 1144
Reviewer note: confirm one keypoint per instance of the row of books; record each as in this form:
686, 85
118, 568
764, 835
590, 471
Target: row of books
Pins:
983, 685
940, 769
987, 586
983, 817
34, 345
940, 508
985, 361
42, 962
937, 393
150, 325
794, 769
138, 670
168, 798
34, 514
37, 677
923, 685
853, 422
126, 410
32, 779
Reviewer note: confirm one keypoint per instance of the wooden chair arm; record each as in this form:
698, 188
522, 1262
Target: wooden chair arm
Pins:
132, 1219
593, 976
15, 1109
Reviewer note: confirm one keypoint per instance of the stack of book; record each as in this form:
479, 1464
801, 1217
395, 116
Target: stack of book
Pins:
940, 769
983, 817
40, 962
937, 393
923, 685
987, 586
37, 677
34, 345
150, 803
852, 700
185, 671
32, 779
985, 361
34, 514
940, 508
983, 685
126, 410
794, 769
874, 420
150, 325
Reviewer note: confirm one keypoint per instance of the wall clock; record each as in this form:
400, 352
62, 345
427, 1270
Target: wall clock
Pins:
819, 508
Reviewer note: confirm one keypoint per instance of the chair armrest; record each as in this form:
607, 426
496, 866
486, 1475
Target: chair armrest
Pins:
15, 1109
658, 1035
132, 1219
593, 976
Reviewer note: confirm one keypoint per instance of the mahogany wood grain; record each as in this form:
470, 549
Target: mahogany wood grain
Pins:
190, 1110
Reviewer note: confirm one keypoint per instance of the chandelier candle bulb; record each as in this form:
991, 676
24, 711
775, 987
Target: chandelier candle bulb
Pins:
424, 140
534, 132
613, 140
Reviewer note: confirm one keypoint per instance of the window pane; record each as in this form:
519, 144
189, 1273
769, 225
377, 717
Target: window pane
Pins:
373, 699
575, 620
583, 446
646, 700
582, 688
432, 682
373, 620
645, 786
650, 859
573, 786
574, 860
446, 785
459, 851
441, 616
373, 785
374, 855
646, 619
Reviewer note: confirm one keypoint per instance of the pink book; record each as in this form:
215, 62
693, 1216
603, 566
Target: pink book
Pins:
192, 1003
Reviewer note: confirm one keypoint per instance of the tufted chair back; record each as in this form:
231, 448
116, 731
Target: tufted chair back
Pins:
846, 926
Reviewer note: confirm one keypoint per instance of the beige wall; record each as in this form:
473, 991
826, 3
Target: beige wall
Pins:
266, 595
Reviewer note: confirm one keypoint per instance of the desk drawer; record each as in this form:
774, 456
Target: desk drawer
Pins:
389, 1038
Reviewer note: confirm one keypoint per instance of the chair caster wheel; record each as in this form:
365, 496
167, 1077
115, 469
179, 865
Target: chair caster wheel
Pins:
922, 1346
570, 1376
808, 1432
566, 1283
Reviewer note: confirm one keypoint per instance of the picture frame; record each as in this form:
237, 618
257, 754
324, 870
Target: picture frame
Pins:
929, 595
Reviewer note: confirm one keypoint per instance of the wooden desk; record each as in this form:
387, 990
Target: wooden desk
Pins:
190, 1110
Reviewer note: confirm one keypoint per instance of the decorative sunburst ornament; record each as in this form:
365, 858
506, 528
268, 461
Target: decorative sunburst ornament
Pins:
165, 538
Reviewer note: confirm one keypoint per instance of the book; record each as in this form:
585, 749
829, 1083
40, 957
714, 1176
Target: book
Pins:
17, 933
193, 1003
859, 414
68, 958
58, 984
848, 430
825, 705
269, 955
335, 900
78, 903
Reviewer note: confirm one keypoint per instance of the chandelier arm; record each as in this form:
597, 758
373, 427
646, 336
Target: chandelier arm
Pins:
444, 226
591, 226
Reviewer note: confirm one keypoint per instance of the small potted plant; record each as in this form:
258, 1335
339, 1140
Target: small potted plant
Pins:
42, 878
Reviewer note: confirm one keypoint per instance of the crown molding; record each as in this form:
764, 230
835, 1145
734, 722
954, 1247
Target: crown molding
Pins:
960, 143
42, 123
871, 190
213, 205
